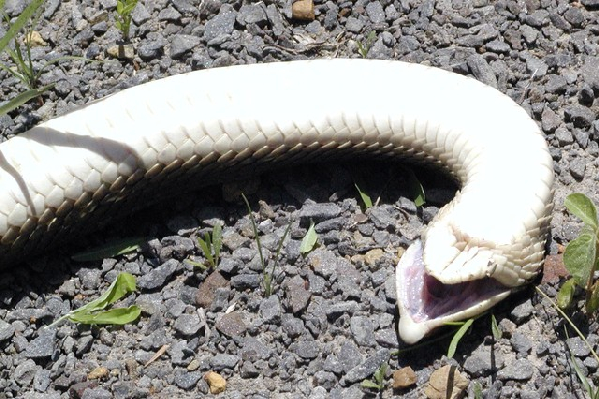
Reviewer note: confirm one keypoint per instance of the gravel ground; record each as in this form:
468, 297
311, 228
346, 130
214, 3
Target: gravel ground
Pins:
330, 323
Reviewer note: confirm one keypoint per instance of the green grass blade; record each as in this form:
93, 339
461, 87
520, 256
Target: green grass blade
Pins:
21, 99
110, 249
217, 242
495, 328
20, 22
457, 337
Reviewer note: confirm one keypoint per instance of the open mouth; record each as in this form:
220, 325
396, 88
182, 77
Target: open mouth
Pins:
426, 303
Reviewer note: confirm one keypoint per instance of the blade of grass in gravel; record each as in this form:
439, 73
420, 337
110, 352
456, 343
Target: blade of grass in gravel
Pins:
21, 99
20, 22
110, 249
457, 337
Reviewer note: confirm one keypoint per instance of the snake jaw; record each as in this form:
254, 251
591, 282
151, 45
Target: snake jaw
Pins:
425, 303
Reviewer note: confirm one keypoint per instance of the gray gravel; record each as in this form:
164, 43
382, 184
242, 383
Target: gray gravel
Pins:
330, 321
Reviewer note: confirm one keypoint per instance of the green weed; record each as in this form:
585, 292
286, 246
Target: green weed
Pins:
124, 8
378, 379
267, 276
95, 313
364, 47
211, 246
580, 257
309, 241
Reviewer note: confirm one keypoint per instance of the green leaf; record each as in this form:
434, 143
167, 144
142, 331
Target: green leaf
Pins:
457, 337
110, 249
365, 197
370, 384
416, 188
217, 241
580, 205
495, 328
309, 240
579, 257
21, 99
566, 294
477, 390
123, 285
593, 303
20, 22
117, 317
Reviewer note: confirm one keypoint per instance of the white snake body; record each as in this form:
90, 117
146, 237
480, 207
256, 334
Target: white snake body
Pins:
74, 169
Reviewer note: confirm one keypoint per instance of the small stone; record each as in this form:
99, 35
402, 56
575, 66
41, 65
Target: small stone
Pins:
270, 309
446, 383
362, 330
303, 10
297, 294
99, 373
403, 378
182, 44
549, 120
158, 276
375, 12
578, 347
518, 370
246, 281
216, 382
579, 115
34, 39
578, 168
366, 368
43, 346
221, 24
318, 212
522, 312
121, 51
521, 343
306, 348
185, 379
188, 324
481, 70
222, 361
207, 289
564, 136
232, 324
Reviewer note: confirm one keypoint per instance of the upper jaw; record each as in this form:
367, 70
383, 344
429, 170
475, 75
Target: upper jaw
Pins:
426, 303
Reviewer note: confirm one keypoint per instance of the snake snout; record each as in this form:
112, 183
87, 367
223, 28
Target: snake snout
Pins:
426, 302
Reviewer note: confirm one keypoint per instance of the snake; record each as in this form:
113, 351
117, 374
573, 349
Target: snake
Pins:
68, 175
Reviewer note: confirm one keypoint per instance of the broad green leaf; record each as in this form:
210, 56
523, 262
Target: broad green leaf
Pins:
579, 257
495, 328
457, 337
117, 317
566, 294
20, 22
580, 205
110, 249
123, 285
309, 240
593, 303
365, 197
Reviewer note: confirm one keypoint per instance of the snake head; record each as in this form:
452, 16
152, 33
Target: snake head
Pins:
426, 302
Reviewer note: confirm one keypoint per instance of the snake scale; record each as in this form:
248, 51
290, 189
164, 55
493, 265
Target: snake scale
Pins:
116, 153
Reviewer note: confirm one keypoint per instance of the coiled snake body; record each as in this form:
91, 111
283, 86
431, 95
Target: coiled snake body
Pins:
116, 152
